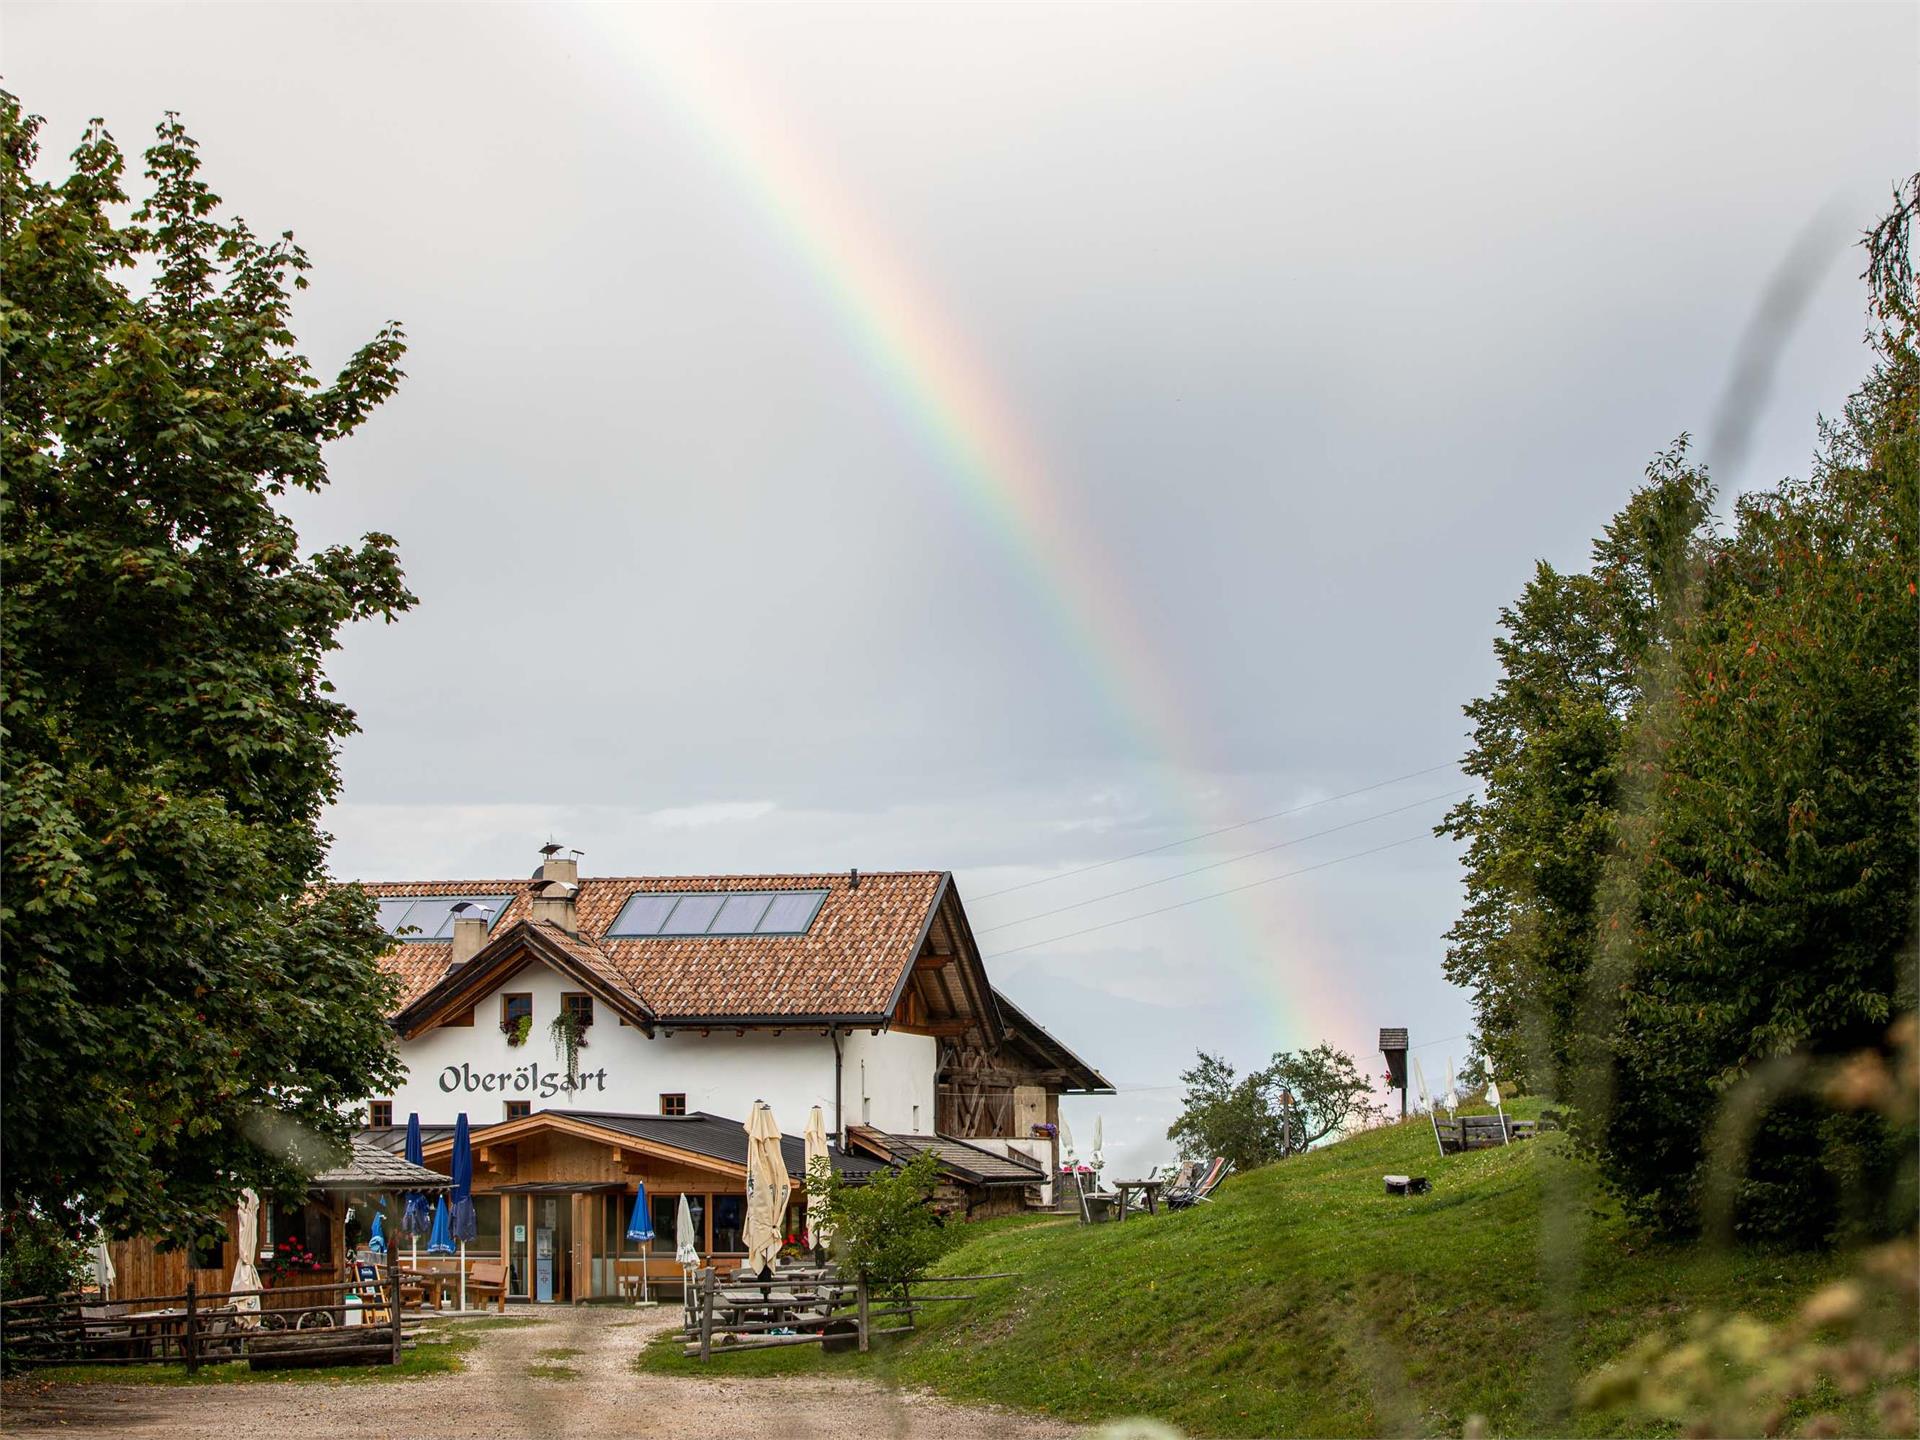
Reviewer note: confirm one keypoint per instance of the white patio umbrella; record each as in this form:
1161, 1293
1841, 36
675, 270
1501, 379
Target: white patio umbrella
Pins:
246, 1244
1099, 1126
103, 1272
1493, 1099
816, 1138
1066, 1139
767, 1189
1420, 1079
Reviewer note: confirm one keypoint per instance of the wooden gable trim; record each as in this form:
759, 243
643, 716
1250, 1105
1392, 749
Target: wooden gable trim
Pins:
513, 1131
520, 946
963, 959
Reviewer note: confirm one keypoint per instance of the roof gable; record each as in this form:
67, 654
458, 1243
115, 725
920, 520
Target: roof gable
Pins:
510, 950
704, 1140
850, 966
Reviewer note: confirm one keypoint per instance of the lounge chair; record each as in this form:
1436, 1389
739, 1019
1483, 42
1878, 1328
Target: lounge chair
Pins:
1181, 1182
1202, 1187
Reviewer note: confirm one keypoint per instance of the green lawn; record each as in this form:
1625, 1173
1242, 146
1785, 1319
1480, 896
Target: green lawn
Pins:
1304, 1301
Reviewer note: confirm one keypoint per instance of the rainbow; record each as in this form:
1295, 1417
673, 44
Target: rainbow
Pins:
994, 467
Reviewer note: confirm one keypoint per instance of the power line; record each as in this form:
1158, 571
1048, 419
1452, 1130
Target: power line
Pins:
1208, 834
1217, 864
1212, 895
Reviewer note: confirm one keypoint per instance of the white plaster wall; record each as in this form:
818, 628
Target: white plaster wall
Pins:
454, 1068
890, 1081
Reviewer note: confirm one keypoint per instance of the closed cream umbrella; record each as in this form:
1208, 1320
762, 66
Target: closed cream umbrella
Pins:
816, 1139
686, 1249
246, 1242
767, 1190
103, 1272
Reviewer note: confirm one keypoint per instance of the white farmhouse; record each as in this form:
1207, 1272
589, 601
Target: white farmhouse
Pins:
605, 1032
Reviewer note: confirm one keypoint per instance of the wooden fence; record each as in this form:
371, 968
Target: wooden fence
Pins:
804, 1306
293, 1325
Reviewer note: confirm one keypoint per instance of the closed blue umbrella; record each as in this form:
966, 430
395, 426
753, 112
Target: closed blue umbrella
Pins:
377, 1241
416, 1218
466, 1222
441, 1241
640, 1228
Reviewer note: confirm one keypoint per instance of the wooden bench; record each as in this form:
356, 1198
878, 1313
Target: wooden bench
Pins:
1480, 1132
489, 1277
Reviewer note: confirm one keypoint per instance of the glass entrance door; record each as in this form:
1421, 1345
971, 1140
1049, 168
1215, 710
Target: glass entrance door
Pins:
552, 1237
518, 1243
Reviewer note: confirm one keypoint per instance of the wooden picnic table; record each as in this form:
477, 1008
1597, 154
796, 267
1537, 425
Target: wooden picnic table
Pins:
153, 1331
1149, 1188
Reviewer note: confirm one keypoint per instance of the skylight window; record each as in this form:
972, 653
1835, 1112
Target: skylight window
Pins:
716, 912
431, 917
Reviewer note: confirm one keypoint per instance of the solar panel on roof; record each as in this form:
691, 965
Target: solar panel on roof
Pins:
693, 915
791, 912
739, 915
641, 915
391, 913
431, 917
648, 914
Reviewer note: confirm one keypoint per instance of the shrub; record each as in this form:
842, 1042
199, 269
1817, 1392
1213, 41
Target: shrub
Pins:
882, 1227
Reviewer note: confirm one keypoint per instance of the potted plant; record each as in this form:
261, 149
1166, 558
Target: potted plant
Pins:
517, 1029
569, 1037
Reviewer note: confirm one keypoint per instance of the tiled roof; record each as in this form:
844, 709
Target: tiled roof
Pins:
850, 962
370, 1166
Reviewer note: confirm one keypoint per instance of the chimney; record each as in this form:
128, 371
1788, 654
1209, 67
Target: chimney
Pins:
553, 902
553, 866
469, 931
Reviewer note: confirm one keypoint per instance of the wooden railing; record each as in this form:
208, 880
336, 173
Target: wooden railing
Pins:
197, 1327
803, 1306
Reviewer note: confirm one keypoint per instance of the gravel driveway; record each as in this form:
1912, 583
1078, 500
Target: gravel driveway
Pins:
495, 1397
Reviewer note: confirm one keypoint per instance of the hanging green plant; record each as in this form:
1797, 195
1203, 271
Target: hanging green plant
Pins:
568, 1036
518, 1029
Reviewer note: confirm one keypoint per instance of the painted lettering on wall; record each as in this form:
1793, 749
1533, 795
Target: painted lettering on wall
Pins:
524, 1080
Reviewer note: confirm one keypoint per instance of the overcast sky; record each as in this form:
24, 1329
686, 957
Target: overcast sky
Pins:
1006, 439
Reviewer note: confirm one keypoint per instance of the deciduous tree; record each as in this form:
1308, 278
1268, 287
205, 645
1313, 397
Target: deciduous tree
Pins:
181, 998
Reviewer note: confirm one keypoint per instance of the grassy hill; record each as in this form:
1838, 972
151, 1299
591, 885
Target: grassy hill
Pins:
1304, 1301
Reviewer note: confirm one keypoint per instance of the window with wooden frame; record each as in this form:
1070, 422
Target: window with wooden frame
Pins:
673, 1104
380, 1114
519, 1109
514, 1009
579, 1005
